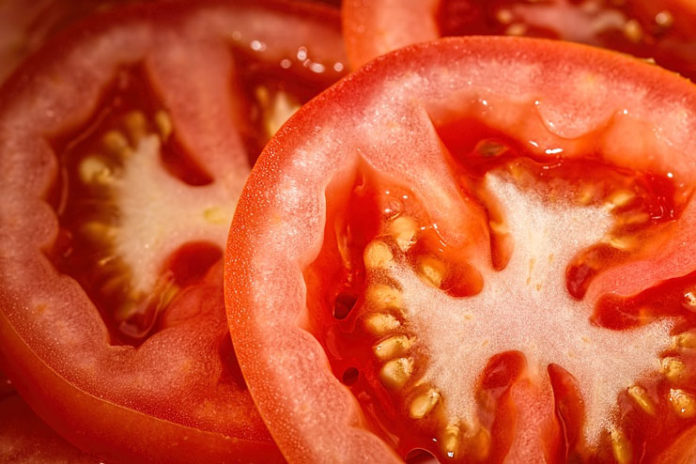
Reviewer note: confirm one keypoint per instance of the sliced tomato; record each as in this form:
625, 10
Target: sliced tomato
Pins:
657, 30
478, 250
24, 26
125, 144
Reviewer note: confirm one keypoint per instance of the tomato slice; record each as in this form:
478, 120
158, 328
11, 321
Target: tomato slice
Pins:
125, 144
478, 250
656, 30
24, 438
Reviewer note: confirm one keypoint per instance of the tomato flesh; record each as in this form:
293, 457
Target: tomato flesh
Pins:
371, 341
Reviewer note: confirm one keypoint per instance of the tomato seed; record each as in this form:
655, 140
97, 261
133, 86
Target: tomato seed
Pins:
641, 398
621, 447
377, 255
393, 346
683, 403
381, 296
164, 124
673, 369
432, 270
380, 323
395, 373
403, 229
423, 404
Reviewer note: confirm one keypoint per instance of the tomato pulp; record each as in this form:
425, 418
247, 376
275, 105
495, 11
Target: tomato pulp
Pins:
476, 249
125, 144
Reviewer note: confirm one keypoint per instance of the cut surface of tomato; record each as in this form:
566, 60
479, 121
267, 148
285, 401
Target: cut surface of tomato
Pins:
125, 144
476, 249
661, 31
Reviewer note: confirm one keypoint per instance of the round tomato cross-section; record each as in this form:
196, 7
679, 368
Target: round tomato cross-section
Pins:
477, 249
125, 144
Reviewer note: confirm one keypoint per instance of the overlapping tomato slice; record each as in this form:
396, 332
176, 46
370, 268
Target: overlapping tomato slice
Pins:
125, 143
477, 249
657, 30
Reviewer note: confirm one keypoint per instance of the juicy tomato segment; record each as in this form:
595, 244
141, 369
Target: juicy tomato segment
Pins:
125, 147
660, 31
363, 321
490, 237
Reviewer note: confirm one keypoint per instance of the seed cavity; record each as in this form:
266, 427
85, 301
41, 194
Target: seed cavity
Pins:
683, 403
423, 404
395, 373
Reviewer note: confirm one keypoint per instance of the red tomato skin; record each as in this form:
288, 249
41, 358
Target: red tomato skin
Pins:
278, 226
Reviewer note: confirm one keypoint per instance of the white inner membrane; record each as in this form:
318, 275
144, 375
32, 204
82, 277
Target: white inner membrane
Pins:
159, 213
526, 307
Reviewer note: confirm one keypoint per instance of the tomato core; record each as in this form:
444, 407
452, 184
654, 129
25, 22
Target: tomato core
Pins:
381, 250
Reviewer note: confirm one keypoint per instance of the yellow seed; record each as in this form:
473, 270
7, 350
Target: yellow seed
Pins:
392, 346
498, 227
517, 29
423, 404
432, 270
624, 243
380, 323
275, 116
633, 31
450, 440
684, 340
377, 255
216, 215
136, 124
586, 195
504, 16
395, 373
621, 447
98, 231
480, 444
664, 19
641, 398
635, 219
689, 300
93, 169
404, 229
116, 143
619, 199
382, 296
673, 369
164, 124
683, 403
